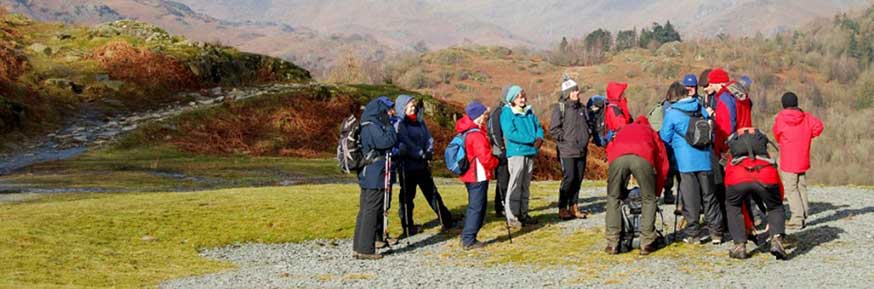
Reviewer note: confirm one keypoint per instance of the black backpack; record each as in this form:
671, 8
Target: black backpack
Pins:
496, 135
749, 143
350, 156
700, 131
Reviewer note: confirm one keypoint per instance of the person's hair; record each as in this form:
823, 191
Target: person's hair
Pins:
676, 92
703, 79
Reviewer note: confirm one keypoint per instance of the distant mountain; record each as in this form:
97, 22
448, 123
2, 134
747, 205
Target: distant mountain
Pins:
441, 23
305, 47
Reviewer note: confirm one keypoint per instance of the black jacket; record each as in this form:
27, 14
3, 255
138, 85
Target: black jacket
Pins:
377, 138
570, 129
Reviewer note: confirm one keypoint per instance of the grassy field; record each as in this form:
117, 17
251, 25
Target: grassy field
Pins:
161, 168
140, 239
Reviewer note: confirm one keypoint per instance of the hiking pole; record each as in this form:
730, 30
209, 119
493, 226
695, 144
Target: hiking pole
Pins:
386, 201
506, 217
678, 212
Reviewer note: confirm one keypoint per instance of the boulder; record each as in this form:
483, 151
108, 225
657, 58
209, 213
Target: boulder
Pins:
40, 48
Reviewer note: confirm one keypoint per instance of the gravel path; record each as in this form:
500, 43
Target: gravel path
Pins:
835, 251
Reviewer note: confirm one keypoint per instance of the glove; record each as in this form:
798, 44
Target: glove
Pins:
429, 155
395, 151
538, 143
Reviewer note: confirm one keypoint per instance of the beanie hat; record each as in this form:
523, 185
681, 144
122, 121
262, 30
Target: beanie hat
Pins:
718, 75
512, 93
690, 80
474, 109
790, 100
746, 81
568, 85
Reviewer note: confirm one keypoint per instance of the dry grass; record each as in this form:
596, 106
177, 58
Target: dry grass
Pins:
145, 68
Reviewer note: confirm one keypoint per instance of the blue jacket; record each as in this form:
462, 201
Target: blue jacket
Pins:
520, 131
377, 139
415, 143
673, 132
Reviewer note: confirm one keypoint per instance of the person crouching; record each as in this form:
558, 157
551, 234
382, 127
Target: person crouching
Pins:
635, 151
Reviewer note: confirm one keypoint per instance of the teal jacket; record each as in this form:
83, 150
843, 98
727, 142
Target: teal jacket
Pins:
520, 132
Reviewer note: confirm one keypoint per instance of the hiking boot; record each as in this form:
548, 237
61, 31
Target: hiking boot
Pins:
577, 213
611, 250
382, 244
796, 225
739, 251
777, 248
669, 199
716, 239
692, 240
475, 245
514, 223
362, 256
528, 221
648, 249
564, 214
413, 230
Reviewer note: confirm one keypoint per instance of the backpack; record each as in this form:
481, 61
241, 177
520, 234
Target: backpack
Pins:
455, 157
700, 131
493, 127
749, 143
350, 156
656, 116
608, 136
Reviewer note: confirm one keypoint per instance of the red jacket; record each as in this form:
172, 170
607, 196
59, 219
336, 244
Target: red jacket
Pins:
614, 120
731, 114
794, 129
641, 140
752, 170
476, 147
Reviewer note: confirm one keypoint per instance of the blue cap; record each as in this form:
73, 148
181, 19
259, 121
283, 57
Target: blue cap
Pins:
475, 109
746, 81
690, 80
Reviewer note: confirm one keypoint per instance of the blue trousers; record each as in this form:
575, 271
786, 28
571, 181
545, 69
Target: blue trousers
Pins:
476, 211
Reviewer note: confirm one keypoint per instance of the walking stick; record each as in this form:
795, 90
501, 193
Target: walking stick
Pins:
386, 201
506, 217
678, 212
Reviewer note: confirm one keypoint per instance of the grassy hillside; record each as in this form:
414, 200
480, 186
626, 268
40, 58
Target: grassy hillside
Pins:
54, 71
827, 63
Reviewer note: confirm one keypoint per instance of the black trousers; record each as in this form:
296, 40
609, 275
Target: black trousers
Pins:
573, 170
368, 225
698, 194
669, 182
409, 180
502, 174
739, 194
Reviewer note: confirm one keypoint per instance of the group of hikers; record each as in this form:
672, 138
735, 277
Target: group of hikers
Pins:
699, 137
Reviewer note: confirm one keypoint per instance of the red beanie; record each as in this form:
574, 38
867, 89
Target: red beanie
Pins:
717, 75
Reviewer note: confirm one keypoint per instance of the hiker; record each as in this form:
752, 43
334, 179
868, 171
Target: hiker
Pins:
569, 127
693, 164
617, 115
415, 151
635, 151
794, 129
751, 172
595, 108
523, 136
377, 140
479, 155
706, 96
499, 150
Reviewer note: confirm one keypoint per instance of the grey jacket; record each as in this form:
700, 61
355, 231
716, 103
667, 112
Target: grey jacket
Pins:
570, 129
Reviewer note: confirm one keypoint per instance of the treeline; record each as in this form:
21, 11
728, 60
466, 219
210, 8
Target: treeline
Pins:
596, 46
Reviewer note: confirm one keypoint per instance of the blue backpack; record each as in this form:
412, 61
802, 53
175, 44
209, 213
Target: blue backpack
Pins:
455, 157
